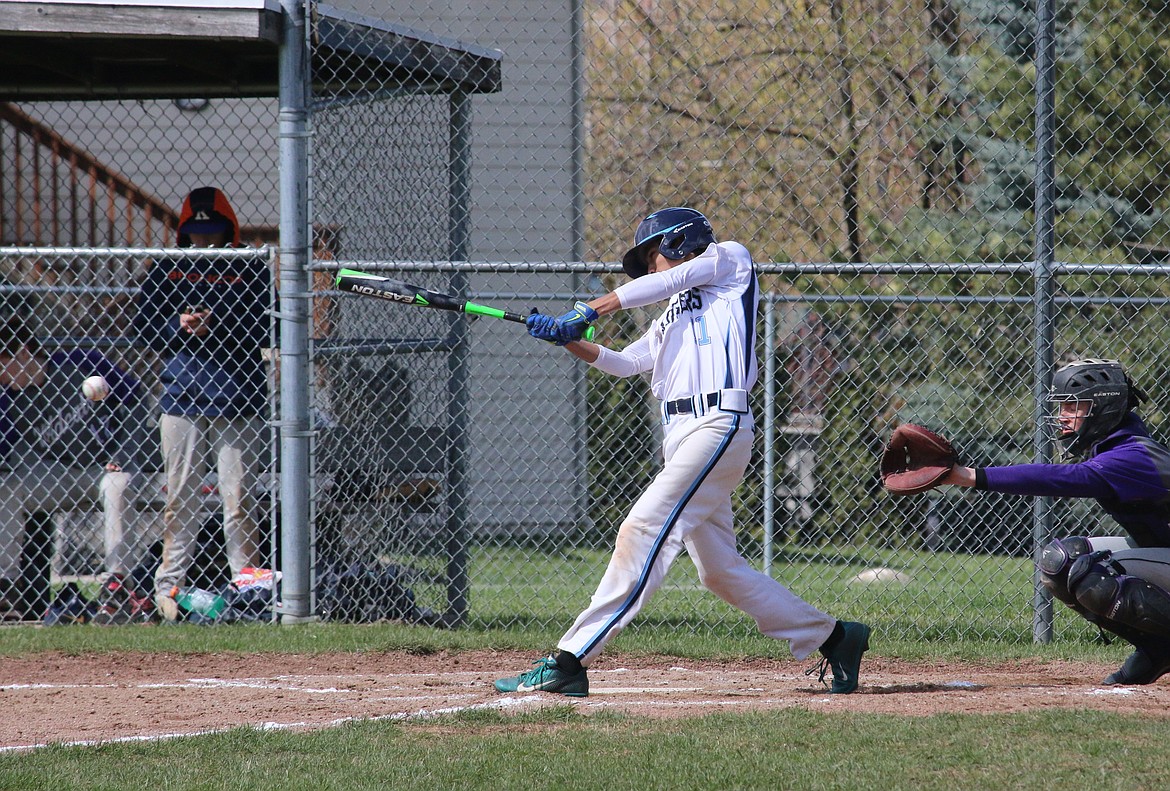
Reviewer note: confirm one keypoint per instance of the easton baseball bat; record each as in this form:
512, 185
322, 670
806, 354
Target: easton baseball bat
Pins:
388, 288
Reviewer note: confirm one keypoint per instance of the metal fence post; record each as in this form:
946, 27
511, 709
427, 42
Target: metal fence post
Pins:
769, 428
296, 583
459, 212
1045, 244
578, 280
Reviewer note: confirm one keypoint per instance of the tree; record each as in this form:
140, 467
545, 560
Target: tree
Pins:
1113, 127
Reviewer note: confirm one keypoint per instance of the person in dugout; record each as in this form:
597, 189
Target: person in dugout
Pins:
206, 316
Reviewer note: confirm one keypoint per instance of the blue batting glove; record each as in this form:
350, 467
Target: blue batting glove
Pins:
543, 328
573, 324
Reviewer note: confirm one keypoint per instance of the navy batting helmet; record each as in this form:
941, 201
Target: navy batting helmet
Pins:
1108, 390
678, 231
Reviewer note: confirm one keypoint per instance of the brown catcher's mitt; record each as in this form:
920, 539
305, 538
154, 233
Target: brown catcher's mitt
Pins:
916, 460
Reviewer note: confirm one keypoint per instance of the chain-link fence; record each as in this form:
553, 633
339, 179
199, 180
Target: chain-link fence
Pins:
848, 351
134, 417
463, 473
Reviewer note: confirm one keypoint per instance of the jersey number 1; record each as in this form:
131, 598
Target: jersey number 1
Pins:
701, 336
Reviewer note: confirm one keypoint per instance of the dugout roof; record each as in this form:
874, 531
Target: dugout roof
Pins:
53, 50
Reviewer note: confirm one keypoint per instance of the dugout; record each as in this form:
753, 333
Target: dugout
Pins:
310, 58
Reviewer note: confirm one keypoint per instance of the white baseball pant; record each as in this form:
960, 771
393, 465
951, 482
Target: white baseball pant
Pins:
185, 441
689, 504
50, 487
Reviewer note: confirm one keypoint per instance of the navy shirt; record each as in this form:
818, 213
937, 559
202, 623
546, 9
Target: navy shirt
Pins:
1128, 473
221, 373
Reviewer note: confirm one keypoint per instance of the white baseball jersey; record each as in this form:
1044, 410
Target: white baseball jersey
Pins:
705, 339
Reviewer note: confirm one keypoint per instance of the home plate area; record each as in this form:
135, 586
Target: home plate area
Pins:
113, 697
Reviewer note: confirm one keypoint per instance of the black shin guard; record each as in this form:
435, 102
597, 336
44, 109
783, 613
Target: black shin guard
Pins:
1131, 607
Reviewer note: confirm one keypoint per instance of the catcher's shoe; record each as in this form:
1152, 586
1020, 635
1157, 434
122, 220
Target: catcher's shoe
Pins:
1143, 666
844, 659
547, 677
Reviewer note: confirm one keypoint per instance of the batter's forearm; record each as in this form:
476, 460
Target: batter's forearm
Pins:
584, 350
607, 304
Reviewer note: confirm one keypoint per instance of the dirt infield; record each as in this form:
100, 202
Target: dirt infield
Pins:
55, 698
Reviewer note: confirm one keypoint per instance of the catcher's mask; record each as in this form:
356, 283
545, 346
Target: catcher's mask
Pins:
679, 231
1109, 393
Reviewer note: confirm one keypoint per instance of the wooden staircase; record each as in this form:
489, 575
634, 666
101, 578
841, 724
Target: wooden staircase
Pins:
54, 194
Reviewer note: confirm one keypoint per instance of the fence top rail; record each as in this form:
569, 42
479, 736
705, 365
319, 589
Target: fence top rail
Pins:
819, 268
579, 267
136, 252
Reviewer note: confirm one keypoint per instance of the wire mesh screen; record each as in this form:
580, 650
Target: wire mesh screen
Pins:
134, 417
383, 392
825, 132
114, 173
854, 356
847, 354
496, 151
380, 177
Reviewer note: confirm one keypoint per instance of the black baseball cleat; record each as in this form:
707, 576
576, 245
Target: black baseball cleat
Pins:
844, 659
1140, 667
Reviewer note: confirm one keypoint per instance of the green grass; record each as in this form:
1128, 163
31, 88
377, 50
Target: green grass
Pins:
957, 607
522, 598
560, 748
328, 637
949, 598
374, 638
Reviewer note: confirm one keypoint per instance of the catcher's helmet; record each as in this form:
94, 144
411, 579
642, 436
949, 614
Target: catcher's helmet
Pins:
1108, 390
678, 231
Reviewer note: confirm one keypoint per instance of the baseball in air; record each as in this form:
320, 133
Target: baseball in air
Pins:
95, 388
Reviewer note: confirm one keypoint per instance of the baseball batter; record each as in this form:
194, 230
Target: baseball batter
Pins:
700, 354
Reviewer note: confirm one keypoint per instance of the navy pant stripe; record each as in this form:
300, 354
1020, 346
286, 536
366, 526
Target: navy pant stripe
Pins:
671, 521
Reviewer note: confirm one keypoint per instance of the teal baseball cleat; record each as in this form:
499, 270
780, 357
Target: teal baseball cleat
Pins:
547, 677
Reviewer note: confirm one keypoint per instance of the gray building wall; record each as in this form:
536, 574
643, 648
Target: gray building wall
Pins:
526, 404
523, 138
167, 151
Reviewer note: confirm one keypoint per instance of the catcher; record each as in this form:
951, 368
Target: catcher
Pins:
1118, 584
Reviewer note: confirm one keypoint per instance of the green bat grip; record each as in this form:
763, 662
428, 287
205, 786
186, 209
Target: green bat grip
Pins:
495, 313
484, 310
